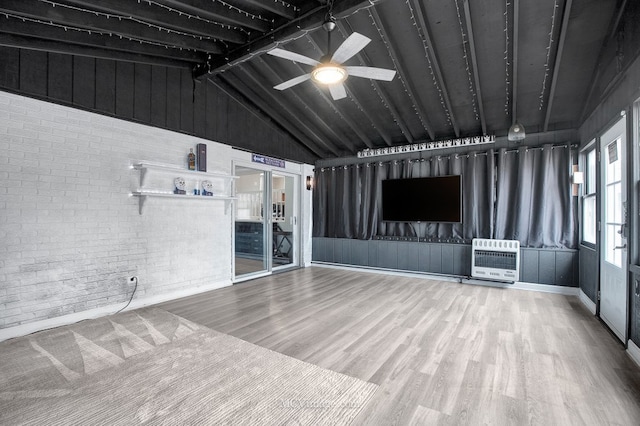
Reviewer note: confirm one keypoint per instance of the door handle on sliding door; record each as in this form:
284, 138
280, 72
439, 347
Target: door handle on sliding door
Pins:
624, 246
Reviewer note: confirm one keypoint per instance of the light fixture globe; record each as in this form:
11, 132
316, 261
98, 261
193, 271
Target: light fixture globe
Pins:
516, 132
328, 74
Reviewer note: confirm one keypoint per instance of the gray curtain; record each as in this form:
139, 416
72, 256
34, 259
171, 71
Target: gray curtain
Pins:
533, 199
347, 199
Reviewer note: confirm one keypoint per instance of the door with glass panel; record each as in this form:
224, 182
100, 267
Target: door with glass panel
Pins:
251, 236
614, 230
284, 190
266, 221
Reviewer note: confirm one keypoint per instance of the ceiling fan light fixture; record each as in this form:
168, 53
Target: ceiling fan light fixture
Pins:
516, 132
329, 74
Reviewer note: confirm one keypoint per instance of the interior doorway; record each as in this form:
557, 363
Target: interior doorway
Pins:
614, 230
265, 221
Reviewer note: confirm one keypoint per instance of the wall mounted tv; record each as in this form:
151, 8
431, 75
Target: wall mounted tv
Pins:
428, 199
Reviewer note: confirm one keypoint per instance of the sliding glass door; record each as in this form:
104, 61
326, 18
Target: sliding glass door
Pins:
266, 221
250, 224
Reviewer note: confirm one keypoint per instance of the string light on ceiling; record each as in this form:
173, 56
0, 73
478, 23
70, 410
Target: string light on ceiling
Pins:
140, 21
547, 63
397, 67
474, 97
237, 9
425, 46
91, 32
507, 89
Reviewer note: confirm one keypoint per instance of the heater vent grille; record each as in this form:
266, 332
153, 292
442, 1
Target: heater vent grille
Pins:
495, 259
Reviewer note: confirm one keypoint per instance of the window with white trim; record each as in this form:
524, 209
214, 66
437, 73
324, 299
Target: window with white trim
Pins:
589, 197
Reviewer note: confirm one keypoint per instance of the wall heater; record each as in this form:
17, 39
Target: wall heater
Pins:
495, 259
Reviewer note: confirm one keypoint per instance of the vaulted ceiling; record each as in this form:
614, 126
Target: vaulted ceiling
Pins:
464, 67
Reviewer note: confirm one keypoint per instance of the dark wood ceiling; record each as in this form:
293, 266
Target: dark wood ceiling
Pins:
464, 67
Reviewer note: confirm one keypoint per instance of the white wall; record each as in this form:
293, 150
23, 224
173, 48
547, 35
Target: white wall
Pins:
70, 233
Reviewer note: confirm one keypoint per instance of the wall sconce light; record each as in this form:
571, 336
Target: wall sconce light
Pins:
577, 178
309, 183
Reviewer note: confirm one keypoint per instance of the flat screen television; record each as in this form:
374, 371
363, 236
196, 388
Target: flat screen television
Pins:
428, 199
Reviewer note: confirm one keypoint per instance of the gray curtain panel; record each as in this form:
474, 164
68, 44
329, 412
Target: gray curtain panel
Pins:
347, 201
533, 199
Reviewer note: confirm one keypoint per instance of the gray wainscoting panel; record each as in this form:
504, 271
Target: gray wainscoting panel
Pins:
543, 266
589, 270
373, 252
447, 259
423, 257
435, 258
529, 265
407, 256
360, 252
461, 259
546, 267
564, 268
388, 254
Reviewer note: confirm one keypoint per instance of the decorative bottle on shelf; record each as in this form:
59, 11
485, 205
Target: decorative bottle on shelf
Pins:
192, 159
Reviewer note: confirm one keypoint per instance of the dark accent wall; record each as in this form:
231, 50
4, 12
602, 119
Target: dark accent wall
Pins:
154, 95
542, 266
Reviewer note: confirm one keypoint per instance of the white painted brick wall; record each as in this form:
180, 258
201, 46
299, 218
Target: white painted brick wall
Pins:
70, 233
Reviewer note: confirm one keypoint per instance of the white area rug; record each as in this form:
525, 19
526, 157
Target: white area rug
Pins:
152, 367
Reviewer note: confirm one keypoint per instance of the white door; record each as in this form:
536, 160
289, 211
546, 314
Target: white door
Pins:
613, 241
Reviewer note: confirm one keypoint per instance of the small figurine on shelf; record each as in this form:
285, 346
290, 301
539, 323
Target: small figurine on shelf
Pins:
180, 186
191, 159
207, 188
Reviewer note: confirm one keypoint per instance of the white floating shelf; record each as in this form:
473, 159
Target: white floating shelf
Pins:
170, 168
143, 195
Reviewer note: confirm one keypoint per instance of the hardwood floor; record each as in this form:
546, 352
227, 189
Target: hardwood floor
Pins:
442, 353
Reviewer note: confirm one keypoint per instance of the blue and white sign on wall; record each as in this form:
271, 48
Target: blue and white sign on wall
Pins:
267, 161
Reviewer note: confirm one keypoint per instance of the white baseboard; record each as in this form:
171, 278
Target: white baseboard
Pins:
32, 327
634, 351
587, 302
519, 285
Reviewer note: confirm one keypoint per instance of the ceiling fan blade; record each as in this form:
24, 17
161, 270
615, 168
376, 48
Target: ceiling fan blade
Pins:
281, 53
292, 82
337, 91
352, 45
371, 72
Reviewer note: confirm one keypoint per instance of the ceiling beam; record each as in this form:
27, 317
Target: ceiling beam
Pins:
162, 17
296, 27
411, 91
324, 127
39, 31
251, 104
374, 122
346, 29
556, 64
124, 27
474, 64
218, 12
304, 125
21, 42
275, 7
514, 61
435, 64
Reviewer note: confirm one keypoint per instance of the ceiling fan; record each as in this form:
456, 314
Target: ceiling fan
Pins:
329, 70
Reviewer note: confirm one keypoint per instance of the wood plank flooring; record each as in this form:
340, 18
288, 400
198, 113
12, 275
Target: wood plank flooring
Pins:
442, 353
